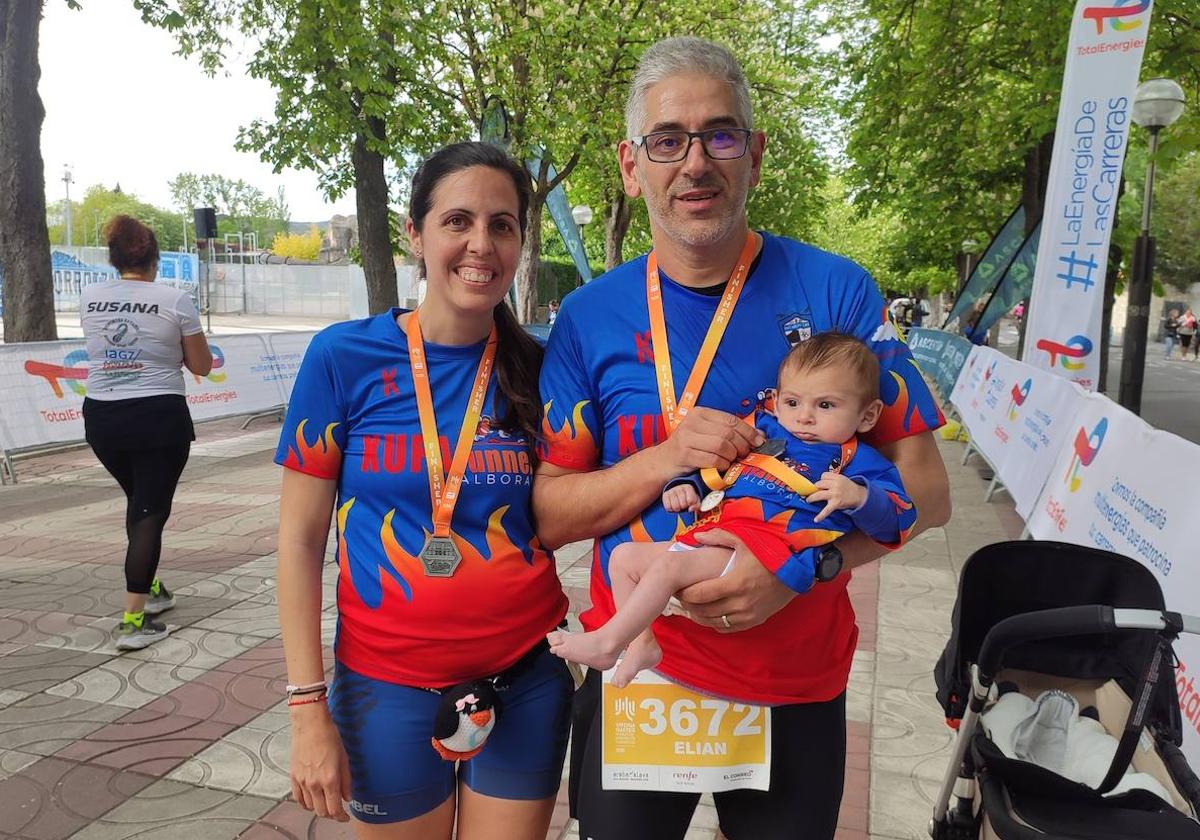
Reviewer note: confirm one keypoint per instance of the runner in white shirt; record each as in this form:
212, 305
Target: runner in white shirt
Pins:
135, 415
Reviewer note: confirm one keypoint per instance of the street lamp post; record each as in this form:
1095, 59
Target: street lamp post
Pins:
1156, 104
968, 246
67, 180
583, 215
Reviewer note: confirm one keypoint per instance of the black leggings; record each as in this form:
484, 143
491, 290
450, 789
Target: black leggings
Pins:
149, 478
808, 764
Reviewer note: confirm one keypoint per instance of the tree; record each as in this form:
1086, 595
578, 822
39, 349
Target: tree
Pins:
100, 204
298, 246
240, 207
24, 239
345, 90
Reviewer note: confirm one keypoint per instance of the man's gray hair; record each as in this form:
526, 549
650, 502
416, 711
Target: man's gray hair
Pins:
685, 56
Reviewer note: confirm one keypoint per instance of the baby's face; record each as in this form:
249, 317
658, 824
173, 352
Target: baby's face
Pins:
823, 406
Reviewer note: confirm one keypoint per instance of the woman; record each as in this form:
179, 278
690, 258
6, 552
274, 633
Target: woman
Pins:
444, 597
1187, 329
135, 416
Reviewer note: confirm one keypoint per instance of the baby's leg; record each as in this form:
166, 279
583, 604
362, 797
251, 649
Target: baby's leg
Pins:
662, 573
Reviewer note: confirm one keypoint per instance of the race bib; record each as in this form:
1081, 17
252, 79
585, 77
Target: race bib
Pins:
661, 736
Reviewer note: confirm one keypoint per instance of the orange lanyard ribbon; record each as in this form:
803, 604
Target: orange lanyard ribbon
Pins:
672, 412
777, 469
443, 487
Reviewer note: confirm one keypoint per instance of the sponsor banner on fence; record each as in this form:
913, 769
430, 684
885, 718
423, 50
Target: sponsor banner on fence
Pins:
43, 384
1124, 486
1104, 56
1018, 417
941, 356
287, 351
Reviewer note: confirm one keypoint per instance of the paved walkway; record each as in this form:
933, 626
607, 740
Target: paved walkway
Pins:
189, 738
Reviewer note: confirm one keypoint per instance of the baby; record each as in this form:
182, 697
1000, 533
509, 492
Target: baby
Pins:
828, 394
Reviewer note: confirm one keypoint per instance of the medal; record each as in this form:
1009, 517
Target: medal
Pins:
440, 556
771, 447
711, 500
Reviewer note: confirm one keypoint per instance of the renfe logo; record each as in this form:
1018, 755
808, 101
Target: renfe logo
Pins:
1118, 13
1076, 347
1019, 394
1086, 447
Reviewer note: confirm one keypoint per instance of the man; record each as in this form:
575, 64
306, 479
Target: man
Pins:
750, 636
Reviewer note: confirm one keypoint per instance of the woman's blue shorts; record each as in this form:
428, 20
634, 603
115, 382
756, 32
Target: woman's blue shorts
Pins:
395, 774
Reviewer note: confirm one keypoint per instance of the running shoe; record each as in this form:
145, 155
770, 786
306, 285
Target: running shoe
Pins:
133, 637
159, 600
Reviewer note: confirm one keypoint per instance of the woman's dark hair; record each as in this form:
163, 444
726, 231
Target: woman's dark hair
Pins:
518, 356
131, 245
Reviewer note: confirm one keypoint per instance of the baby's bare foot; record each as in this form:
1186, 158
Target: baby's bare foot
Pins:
585, 648
640, 656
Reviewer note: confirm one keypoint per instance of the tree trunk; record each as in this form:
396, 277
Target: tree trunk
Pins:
24, 241
374, 238
1037, 174
526, 280
616, 225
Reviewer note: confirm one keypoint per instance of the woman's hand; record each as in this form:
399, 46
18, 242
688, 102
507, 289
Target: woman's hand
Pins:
320, 770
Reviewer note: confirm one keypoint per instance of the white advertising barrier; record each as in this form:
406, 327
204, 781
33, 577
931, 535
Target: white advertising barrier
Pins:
287, 351
1104, 56
1124, 486
1019, 417
42, 386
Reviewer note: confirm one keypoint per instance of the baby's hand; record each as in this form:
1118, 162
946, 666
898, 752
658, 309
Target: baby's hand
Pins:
681, 497
838, 493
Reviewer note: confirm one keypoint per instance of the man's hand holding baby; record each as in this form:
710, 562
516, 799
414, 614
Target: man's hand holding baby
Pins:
838, 492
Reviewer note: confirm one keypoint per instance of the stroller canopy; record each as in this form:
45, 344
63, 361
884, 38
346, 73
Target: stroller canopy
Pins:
1011, 578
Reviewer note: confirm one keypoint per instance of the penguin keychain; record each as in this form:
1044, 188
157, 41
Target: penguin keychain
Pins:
464, 719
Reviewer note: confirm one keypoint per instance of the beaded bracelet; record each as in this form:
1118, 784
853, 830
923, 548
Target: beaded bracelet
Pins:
304, 689
319, 698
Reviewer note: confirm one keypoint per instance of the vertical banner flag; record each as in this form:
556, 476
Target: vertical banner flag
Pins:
1014, 286
991, 266
1104, 57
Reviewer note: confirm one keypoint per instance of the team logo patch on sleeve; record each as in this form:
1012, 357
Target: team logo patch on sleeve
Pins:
796, 327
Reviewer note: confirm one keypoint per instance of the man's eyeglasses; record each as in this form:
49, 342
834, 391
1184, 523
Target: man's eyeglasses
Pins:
672, 146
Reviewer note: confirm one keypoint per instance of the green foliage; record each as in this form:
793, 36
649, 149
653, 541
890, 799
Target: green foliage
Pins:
1176, 223
947, 98
100, 204
240, 207
298, 246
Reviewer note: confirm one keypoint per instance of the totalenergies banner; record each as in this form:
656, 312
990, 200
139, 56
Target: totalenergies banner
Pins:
1104, 57
1019, 418
43, 384
1121, 485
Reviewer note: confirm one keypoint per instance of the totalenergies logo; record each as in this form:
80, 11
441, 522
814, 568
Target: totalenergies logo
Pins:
1086, 447
1020, 393
216, 376
1121, 14
69, 372
1077, 347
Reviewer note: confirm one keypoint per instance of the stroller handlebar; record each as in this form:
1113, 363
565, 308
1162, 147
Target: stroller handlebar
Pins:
1088, 619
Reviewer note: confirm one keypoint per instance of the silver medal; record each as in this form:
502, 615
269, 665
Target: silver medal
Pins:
711, 500
440, 557
771, 447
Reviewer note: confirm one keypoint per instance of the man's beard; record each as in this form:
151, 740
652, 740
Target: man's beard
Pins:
697, 233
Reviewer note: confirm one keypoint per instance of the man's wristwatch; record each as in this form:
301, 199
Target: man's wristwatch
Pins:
829, 563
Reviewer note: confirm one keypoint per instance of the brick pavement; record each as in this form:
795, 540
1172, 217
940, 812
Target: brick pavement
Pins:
189, 738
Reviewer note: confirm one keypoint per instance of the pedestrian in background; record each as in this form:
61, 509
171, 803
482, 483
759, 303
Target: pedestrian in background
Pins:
1170, 331
1187, 329
135, 416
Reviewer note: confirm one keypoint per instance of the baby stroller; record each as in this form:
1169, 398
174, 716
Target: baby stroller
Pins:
1033, 616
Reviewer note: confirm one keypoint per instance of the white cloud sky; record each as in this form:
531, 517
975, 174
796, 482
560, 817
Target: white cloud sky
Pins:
122, 107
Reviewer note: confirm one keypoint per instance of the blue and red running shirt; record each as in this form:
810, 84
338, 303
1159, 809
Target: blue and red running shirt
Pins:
602, 405
353, 418
775, 522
